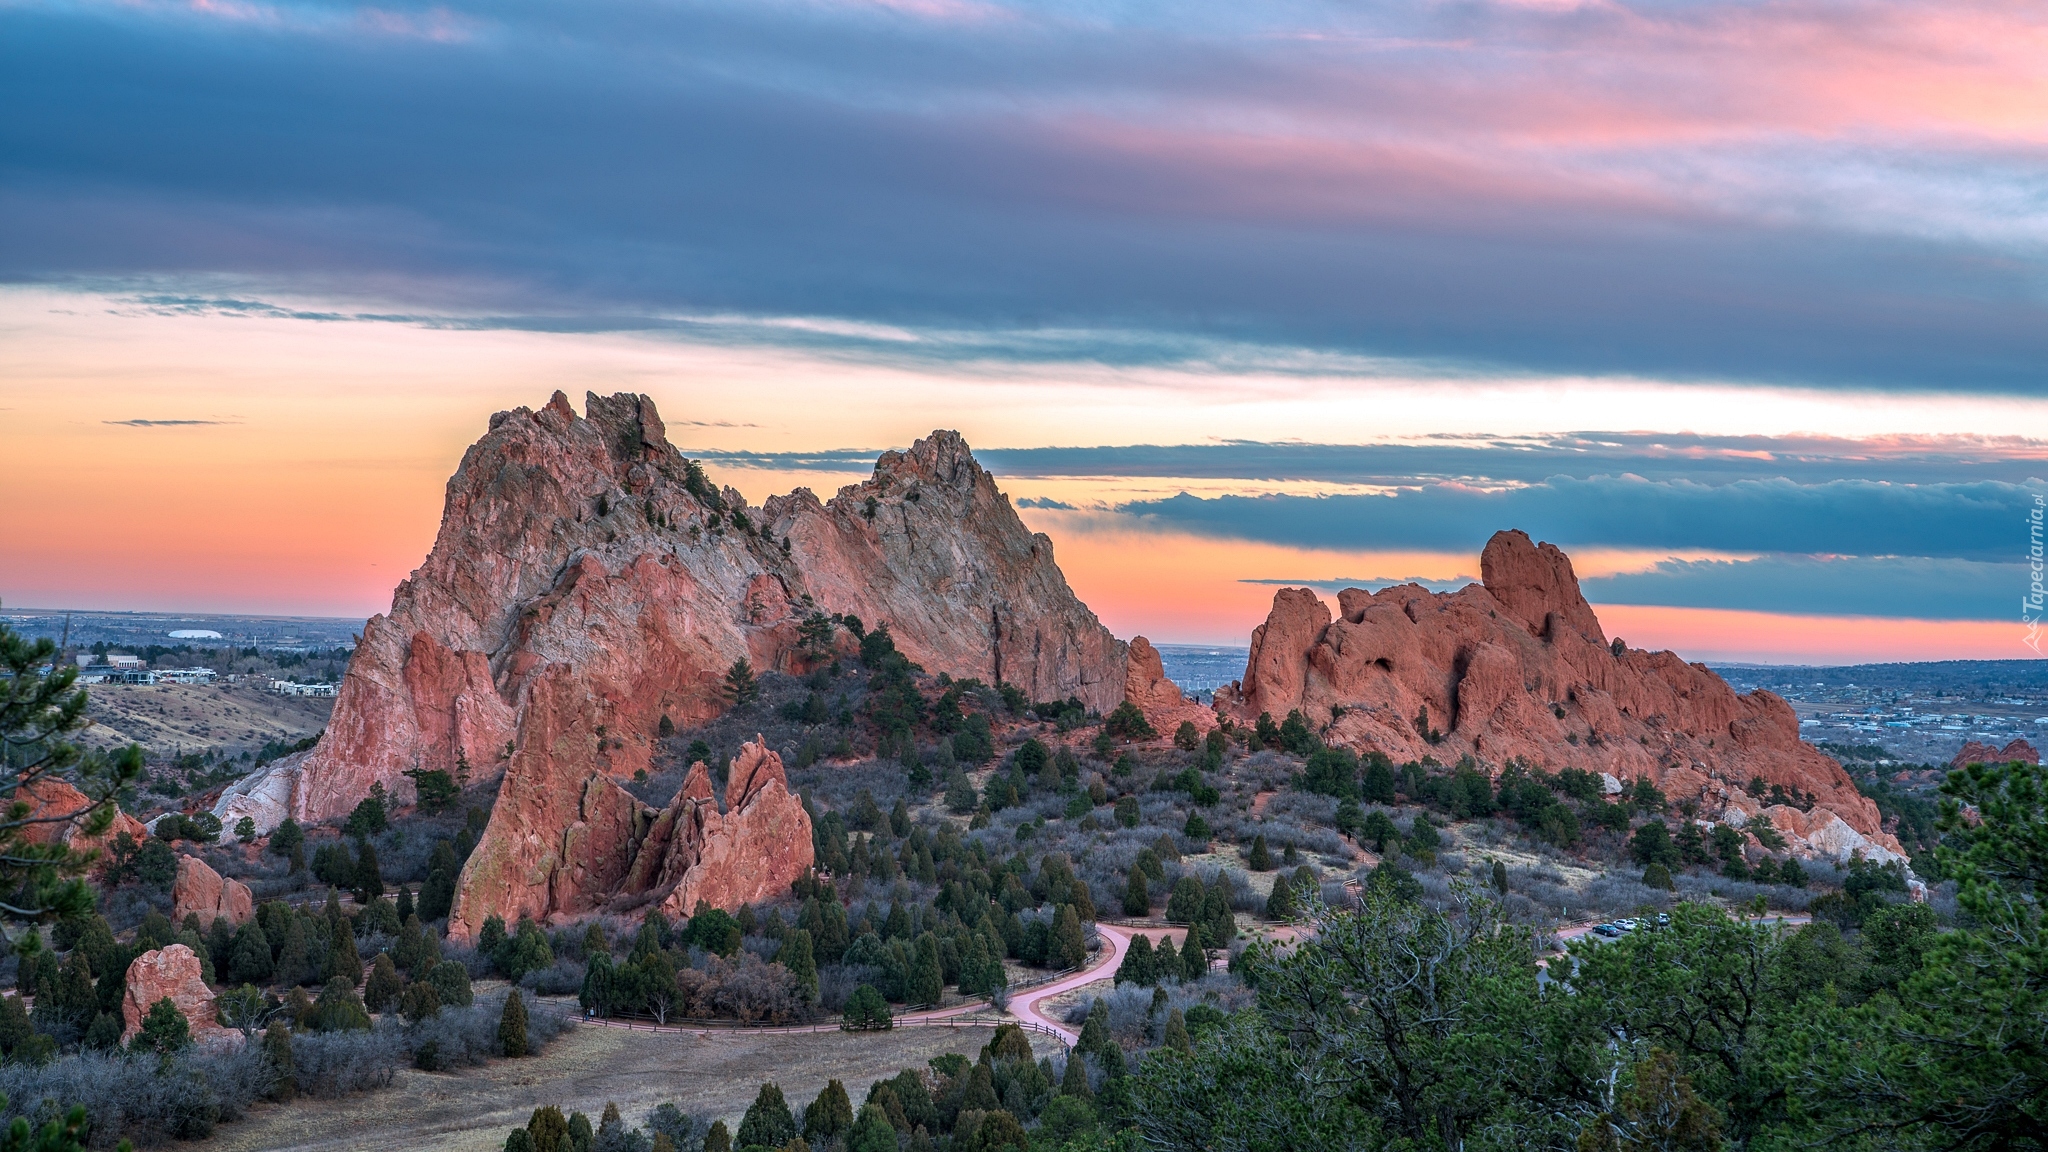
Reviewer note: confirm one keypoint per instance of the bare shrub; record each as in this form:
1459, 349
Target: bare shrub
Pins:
836, 983
751, 991
562, 978
137, 1097
330, 1064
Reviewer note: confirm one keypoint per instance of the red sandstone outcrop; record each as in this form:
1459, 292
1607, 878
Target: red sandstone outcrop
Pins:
1517, 668
1146, 685
63, 806
172, 971
585, 568
1978, 752
545, 853
202, 890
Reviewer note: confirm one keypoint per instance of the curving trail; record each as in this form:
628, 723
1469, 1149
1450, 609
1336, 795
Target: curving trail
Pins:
1023, 1004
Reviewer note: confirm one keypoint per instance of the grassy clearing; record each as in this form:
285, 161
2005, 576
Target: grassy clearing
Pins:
472, 1110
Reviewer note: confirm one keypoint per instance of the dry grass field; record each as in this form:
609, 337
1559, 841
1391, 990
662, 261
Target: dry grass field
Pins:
167, 719
472, 1110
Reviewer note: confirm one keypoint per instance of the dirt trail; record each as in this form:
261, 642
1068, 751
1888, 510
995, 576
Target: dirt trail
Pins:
471, 1111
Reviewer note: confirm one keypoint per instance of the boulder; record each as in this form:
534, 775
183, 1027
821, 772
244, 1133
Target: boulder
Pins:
1978, 752
202, 890
1518, 668
64, 805
174, 971
616, 852
1146, 685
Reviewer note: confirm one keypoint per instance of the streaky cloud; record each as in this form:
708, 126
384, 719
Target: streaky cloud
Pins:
1979, 521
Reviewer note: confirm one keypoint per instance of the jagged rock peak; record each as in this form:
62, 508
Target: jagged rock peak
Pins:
588, 582
1536, 583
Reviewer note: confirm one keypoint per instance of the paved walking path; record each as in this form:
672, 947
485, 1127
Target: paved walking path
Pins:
1024, 1004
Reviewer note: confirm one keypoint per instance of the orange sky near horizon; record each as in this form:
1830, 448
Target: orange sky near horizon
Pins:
311, 478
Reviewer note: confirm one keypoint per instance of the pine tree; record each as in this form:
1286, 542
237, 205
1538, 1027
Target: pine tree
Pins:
1194, 960
249, 958
872, 1132
548, 1129
927, 979
164, 1030
1166, 960
1137, 965
1500, 878
830, 1115
1070, 947
1280, 905
1074, 1082
277, 1049
343, 961
1095, 1037
1137, 894
718, 1138
512, 1025
437, 894
741, 689
1261, 860
369, 878
767, 1122
382, 989
796, 956
1176, 1035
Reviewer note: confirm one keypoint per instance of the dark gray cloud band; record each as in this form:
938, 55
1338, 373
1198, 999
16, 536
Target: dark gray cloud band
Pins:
1010, 170
1976, 521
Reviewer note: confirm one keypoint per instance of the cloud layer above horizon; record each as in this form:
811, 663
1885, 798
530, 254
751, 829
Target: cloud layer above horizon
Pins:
1808, 193
1225, 294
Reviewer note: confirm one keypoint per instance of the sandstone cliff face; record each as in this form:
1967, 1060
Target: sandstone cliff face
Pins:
546, 851
173, 971
1517, 668
582, 544
585, 583
202, 890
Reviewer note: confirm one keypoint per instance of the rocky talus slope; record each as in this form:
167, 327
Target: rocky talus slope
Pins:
1517, 668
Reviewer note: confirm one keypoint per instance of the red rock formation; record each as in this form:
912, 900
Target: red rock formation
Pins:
172, 971
64, 806
587, 582
602, 848
1518, 669
588, 545
202, 890
1146, 685
1978, 752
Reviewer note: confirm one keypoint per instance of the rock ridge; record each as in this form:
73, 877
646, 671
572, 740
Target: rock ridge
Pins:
588, 581
1518, 669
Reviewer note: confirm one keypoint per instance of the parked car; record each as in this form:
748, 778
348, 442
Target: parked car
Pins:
1607, 930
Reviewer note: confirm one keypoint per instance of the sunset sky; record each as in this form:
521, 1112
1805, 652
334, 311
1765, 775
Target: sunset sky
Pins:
1745, 305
